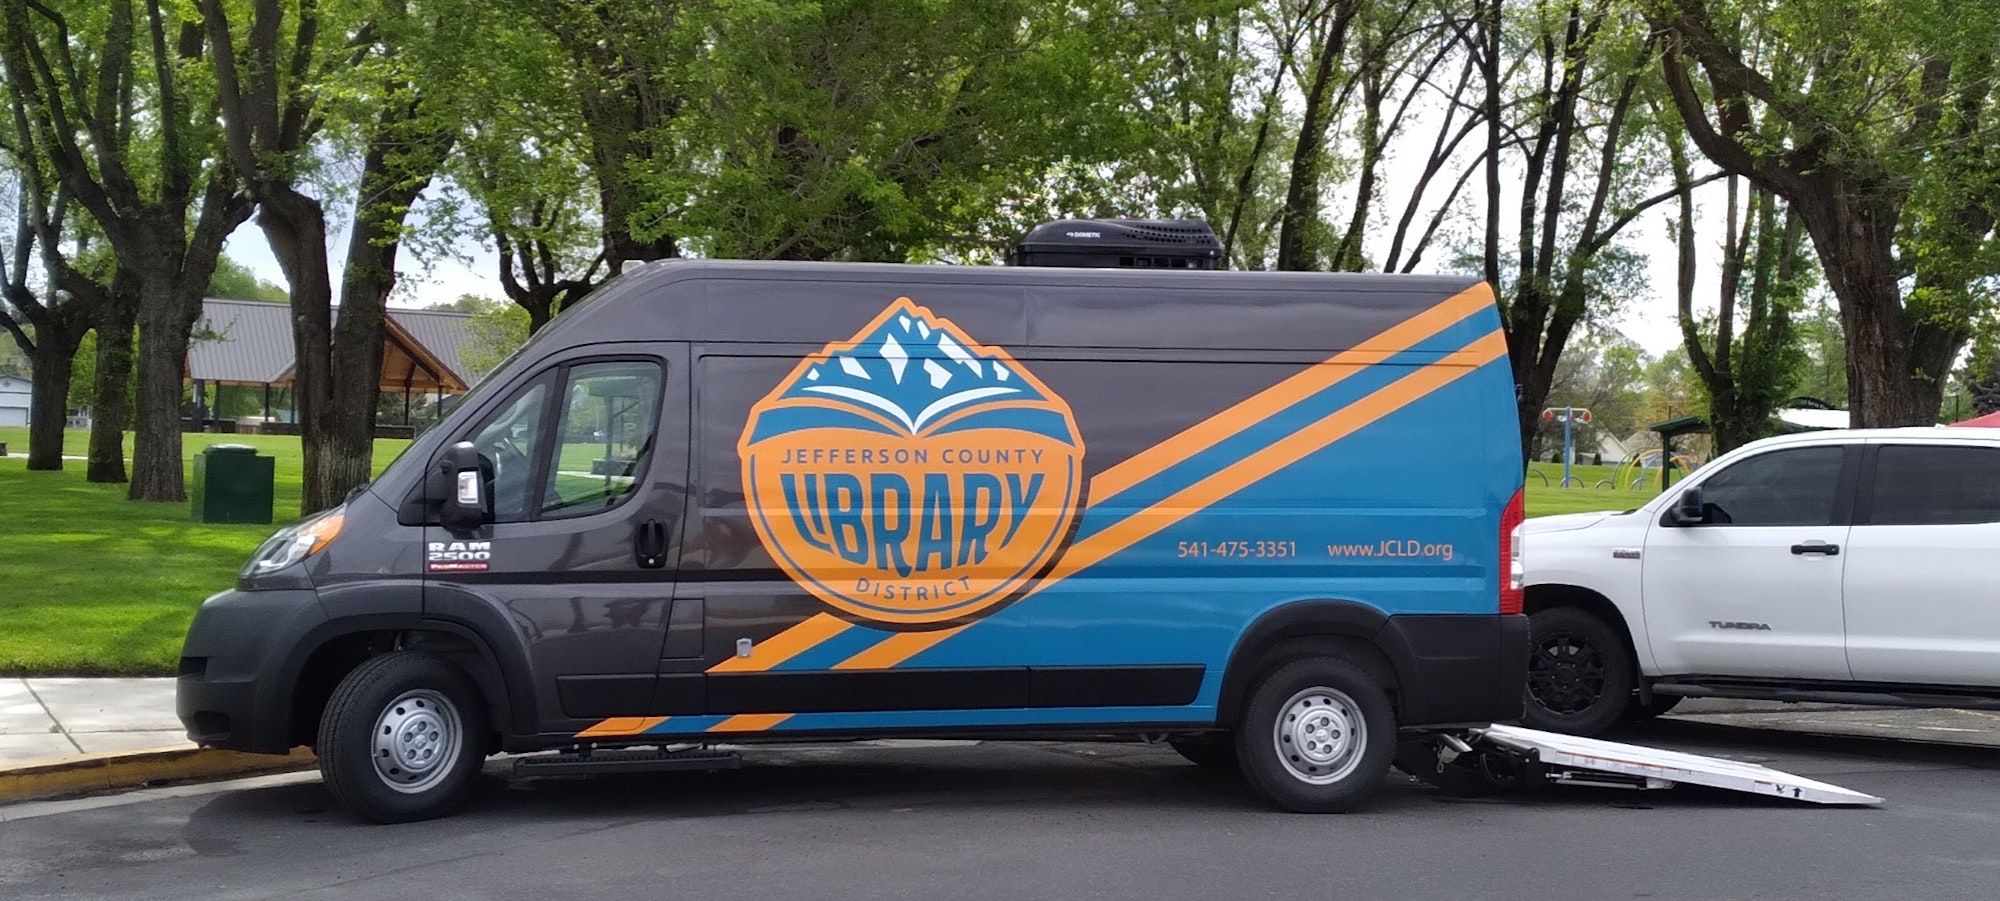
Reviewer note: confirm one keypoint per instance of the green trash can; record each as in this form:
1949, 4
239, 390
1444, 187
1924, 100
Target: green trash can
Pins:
232, 483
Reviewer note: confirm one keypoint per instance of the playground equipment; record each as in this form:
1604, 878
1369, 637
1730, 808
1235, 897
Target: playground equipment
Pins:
1642, 464
1567, 416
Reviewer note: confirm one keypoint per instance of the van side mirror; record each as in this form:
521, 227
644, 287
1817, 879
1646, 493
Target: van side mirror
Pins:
1688, 509
467, 505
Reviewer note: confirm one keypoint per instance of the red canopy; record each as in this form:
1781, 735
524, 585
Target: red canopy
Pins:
1989, 421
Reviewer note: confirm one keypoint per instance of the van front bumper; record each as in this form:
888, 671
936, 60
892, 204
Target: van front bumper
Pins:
236, 669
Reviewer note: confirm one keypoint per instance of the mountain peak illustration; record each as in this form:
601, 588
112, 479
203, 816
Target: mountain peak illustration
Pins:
913, 368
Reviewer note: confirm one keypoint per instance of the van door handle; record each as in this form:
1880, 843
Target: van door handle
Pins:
650, 544
1816, 547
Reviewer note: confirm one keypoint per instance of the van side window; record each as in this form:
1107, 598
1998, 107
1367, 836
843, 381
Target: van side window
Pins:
1930, 486
1795, 487
510, 440
610, 412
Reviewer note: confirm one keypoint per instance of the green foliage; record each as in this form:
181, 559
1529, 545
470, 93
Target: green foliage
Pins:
495, 331
234, 281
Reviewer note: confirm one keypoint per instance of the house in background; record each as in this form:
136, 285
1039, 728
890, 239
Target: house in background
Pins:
14, 393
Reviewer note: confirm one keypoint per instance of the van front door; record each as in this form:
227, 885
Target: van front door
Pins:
589, 468
1754, 588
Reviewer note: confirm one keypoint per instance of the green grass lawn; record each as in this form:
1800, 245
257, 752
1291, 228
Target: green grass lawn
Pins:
1595, 493
91, 583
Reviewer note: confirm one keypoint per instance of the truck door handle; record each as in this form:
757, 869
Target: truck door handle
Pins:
649, 546
1816, 547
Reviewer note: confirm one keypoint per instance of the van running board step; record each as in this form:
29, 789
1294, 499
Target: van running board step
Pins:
597, 763
1508, 755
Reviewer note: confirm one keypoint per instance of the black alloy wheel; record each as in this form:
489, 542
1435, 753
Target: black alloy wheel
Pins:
1580, 676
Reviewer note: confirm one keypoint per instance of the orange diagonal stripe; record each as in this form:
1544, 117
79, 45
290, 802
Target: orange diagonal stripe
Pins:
784, 645
896, 648
1288, 450
750, 722
1209, 432
622, 725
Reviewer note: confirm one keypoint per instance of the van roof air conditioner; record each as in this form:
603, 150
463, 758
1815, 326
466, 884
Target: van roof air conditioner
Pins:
1120, 244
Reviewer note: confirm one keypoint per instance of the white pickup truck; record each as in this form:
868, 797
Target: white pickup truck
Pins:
1856, 566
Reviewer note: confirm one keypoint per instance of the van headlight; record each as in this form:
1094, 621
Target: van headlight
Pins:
294, 543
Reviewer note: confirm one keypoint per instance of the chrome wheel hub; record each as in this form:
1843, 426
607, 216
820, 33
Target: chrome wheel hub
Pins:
417, 737
1320, 735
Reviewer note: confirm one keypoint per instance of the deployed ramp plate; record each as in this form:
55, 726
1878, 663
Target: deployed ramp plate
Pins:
1558, 751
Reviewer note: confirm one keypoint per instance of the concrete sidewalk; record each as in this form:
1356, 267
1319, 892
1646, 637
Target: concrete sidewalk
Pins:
44, 719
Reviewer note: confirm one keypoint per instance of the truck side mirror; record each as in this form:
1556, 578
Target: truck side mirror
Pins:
1688, 509
466, 503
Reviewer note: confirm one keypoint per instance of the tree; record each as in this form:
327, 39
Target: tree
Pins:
272, 112
628, 70
234, 281
142, 174
1585, 66
46, 328
888, 131
1875, 123
1748, 377
523, 161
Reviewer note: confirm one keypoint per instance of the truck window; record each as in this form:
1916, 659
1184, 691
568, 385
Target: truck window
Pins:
609, 416
1785, 488
1931, 486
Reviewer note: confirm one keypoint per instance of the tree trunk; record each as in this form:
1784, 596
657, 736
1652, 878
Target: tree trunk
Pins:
110, 405
1855, 241
166, 322
295, 227
48, 403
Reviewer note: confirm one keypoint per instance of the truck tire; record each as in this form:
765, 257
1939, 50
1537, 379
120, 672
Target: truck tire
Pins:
1317, 736
402, 738
1580, 676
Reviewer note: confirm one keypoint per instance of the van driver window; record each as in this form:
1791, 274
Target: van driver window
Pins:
609, 415
510, 441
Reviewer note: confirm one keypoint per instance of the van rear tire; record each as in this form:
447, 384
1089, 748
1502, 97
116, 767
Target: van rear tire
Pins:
1580, 676
1317, 736
402, 738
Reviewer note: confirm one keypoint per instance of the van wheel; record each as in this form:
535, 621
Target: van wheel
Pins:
402, 738
1317, 736
1580, 677
1207, 753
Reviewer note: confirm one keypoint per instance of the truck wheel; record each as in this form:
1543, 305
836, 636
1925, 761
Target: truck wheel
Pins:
1580, 676
402, 738
1207, 753
1317, 736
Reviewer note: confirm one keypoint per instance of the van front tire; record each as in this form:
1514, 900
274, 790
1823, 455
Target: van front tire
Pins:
1317, 736
402, 738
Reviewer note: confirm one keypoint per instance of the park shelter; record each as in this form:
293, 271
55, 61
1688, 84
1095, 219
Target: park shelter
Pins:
249, 343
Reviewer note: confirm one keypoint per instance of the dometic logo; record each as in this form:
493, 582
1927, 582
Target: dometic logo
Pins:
910, 475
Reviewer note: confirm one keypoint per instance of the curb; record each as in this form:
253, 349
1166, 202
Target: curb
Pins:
123, 770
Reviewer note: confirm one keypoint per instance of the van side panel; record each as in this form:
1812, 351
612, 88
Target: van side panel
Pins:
1219, 485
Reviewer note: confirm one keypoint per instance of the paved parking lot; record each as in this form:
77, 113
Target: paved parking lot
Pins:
928, 820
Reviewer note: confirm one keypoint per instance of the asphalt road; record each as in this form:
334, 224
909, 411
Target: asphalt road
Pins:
1065, 821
